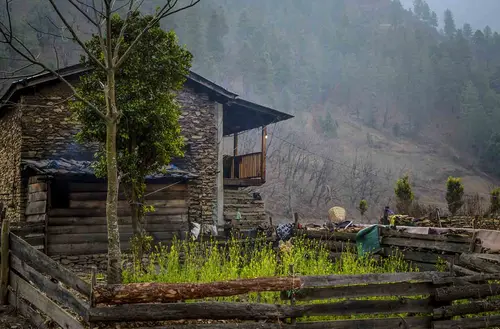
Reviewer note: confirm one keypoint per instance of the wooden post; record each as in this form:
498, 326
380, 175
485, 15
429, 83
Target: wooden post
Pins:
235, 154
296, 221
4, 260
263, 155
93, 283
292, 297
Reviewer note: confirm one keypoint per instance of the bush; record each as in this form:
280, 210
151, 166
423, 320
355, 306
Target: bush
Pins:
495, 200
404, 195
363, 207
454, 194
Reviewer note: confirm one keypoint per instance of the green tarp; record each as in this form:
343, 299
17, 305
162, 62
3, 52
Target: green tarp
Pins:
367, 240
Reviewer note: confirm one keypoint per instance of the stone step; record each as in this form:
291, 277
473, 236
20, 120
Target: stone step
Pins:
243, 201
259, 206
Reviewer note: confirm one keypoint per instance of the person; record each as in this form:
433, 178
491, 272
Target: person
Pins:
385, 219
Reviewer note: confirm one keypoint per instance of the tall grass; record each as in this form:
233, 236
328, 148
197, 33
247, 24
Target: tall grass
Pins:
208, 262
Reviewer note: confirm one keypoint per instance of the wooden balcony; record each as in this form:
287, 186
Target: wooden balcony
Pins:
244, 170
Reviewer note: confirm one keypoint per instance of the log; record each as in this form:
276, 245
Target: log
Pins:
478, 291
124, 220
101, 212
4, 262
490, 321
135, 293
101, 196
124, 204
429, 237
474, 261
326, 235
465, 280
124, 229
408, 322
474, 307
344, 280
451, 247
418, 256
250, 311
459, 269
371, 290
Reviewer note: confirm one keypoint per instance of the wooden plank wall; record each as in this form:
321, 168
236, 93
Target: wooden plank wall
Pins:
81, 229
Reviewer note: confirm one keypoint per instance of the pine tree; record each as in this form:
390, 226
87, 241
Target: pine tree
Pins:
467, 31
449, 24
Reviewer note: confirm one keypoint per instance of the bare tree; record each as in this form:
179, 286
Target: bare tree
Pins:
98, 14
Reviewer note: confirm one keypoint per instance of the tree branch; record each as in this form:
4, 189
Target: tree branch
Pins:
77, 39
165, 11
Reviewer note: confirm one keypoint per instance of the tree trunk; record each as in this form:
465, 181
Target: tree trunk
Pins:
114, 271
170, 292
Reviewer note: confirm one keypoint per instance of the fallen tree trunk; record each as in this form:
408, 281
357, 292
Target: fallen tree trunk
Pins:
467, 292
463, 309
475, 261
133, 293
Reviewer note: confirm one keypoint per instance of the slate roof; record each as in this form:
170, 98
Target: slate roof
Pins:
83, 168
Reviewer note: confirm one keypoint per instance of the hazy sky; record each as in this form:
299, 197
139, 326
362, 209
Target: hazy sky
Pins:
478, 13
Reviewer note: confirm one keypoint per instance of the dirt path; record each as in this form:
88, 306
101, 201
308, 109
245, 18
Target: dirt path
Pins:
10, 320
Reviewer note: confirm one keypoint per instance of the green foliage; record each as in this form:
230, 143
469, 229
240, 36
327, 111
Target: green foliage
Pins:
404, 194
363, 207
206, 262
329, 126
495, 200
454, 194
148, 131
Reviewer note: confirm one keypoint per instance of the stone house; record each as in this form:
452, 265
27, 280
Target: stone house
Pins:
46, 178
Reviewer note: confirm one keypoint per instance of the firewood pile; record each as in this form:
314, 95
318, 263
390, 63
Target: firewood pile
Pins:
475, 263
448, 221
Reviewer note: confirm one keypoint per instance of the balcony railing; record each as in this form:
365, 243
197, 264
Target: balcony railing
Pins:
243, 167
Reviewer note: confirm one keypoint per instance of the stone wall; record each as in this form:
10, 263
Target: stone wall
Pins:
198, 123
10, 157
48, 131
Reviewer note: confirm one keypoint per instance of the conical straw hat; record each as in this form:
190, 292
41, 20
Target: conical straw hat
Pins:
336, 214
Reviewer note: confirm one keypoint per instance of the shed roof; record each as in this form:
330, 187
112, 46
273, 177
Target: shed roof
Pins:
241, 114
67, 167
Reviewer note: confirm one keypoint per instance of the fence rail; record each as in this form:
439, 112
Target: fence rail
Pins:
408, 300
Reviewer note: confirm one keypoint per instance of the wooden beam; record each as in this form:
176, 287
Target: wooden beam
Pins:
478, 291
242, 182
371, 290
251, 311
134, 293
343, 280
474, 307
263, 156
235, 154
46, 265
385, 323
4, 267
489, 321
43, 303
53, 290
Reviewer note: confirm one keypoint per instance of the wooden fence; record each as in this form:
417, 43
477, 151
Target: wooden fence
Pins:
423, 250
424, 300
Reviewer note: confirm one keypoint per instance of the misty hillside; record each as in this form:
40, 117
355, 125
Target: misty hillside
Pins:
377, 91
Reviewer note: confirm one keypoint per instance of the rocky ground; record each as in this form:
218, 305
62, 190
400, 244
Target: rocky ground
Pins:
10, 320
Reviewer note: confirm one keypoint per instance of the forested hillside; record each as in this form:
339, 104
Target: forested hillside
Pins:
377, 90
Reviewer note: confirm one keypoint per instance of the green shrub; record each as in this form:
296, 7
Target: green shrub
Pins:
363, 207
404, 195
454, 194
495, 200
